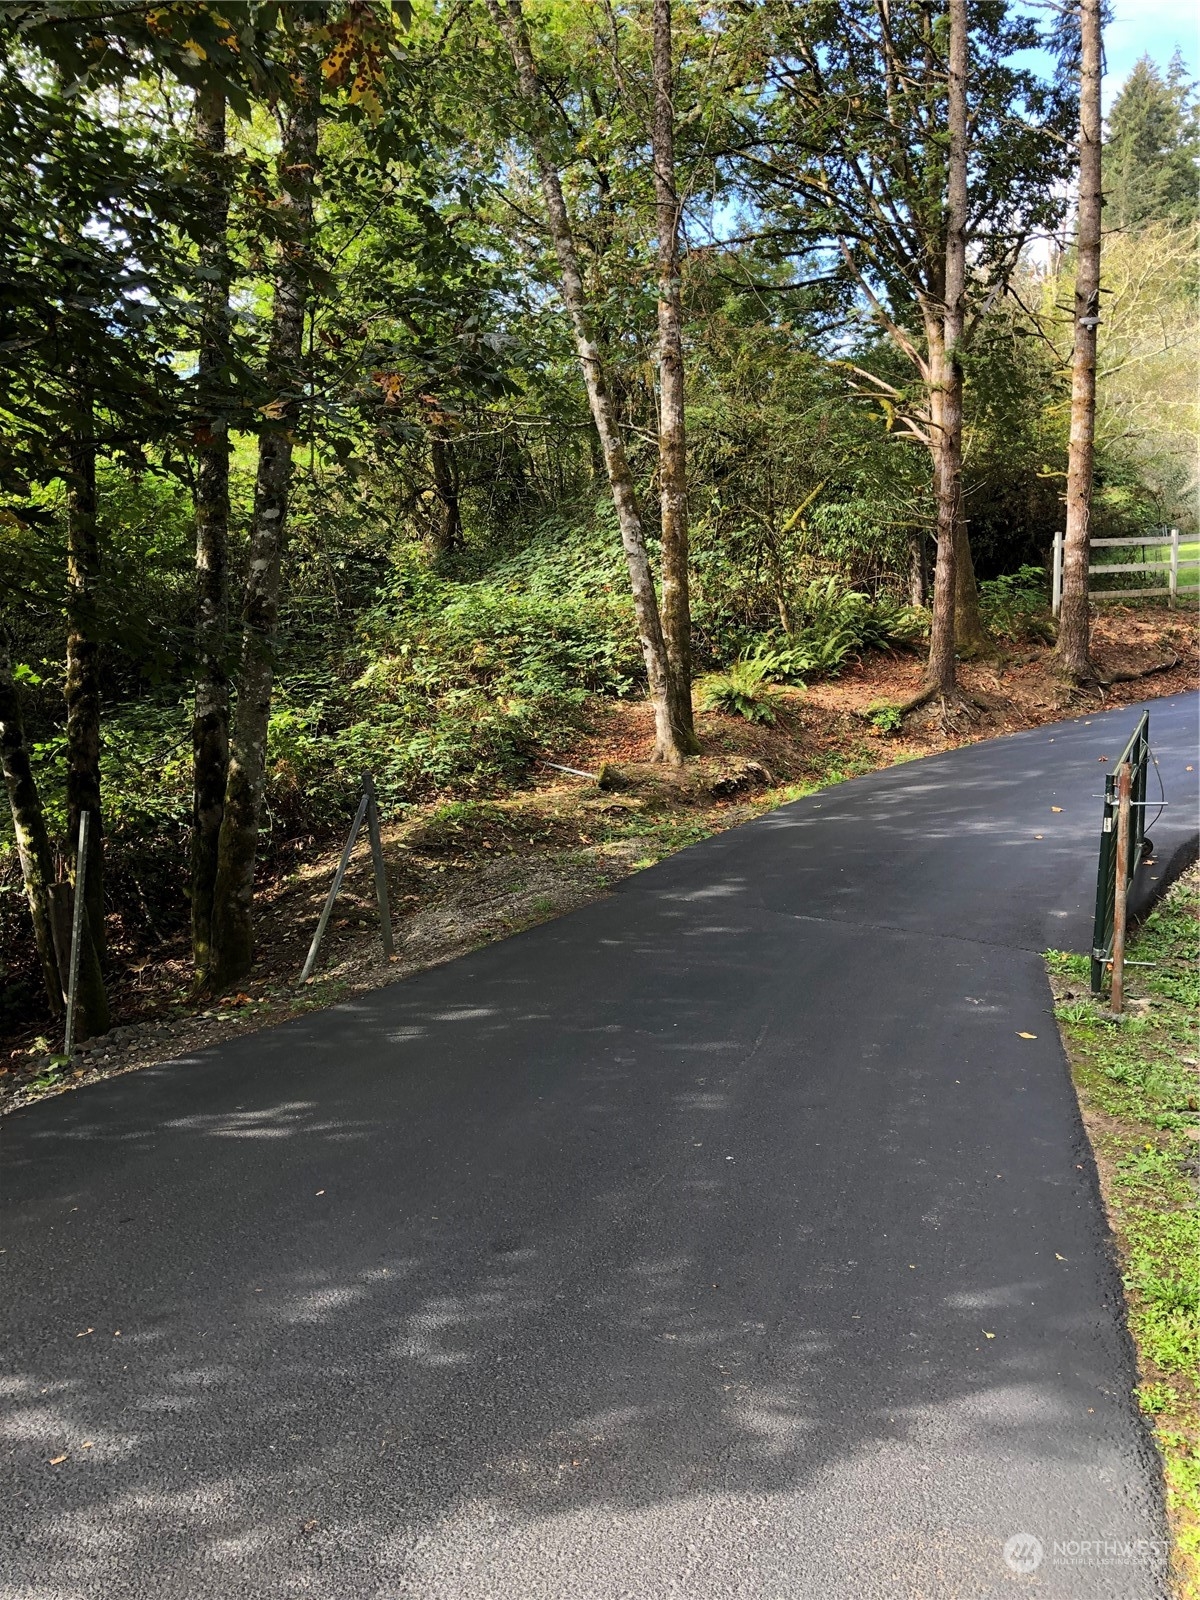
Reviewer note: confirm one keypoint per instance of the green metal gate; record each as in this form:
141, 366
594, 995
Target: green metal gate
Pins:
1137, 753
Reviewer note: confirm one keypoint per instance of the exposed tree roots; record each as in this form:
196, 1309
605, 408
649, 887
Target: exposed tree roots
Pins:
1097, 682
951, 711
1146, 672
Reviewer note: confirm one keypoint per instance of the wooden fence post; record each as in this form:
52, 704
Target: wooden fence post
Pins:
327, 908
1173, 580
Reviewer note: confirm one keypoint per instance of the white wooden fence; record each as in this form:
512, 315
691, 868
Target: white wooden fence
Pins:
1169, 569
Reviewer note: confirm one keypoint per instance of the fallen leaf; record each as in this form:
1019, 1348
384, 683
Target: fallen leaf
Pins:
1056, 808
85, 1333
1057, 1257
57, 1461
88, 1444
988, 1335
1026, 1035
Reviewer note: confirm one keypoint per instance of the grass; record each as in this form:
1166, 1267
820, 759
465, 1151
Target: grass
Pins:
1137, 1084
1153, 550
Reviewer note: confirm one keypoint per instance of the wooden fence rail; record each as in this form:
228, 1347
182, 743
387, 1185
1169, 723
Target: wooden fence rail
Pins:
1170, 568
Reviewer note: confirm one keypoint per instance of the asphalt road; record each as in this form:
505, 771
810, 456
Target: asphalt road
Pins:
723, 1238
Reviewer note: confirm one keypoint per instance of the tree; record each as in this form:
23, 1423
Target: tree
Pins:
91, 265
849, 158
946, 387
1152, 148
210, 720
49, 904
232, 938
672, 437
1074, 634
29, 826
670, 720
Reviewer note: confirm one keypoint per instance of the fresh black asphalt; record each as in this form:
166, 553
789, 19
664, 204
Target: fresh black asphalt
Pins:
725, 1238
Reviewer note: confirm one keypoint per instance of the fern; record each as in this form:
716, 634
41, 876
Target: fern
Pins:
742, 690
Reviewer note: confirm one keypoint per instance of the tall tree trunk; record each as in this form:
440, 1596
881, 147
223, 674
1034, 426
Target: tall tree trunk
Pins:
940, 667
918, 576
49, 901
448, 530
1074, 631
668, 742
970, 637
210, 719
672, 438
232, 951
946, 397
29, 826
82, 687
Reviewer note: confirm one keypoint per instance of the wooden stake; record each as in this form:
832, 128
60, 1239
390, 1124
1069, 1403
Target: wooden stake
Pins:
333, 890
1120, 905
76, 931
381, 888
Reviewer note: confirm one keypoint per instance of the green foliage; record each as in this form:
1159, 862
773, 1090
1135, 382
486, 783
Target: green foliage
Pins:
1067, 963
834, 624
1016, 606
1152, 147
742, 690
884, 716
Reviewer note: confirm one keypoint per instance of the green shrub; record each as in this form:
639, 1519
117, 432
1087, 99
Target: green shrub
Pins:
884, 716
832, 624
1017, 606
742, 690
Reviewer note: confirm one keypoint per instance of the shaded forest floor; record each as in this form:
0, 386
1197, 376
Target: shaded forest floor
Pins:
463, 873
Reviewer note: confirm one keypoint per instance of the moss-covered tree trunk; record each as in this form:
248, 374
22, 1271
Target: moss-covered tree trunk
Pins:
210, 718
232, 952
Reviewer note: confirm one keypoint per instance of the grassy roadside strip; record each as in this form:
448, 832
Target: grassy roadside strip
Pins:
1136, 1079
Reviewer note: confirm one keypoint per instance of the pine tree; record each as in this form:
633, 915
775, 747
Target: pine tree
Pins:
1153, 145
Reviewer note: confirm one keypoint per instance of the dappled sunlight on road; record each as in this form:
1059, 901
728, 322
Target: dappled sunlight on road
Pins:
632, 1231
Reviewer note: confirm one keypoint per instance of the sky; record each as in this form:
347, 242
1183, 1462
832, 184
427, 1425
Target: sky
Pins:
1153, 28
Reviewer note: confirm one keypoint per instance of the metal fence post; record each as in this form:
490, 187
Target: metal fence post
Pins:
1121, 892
1173, 579
1056, 581
76, 931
